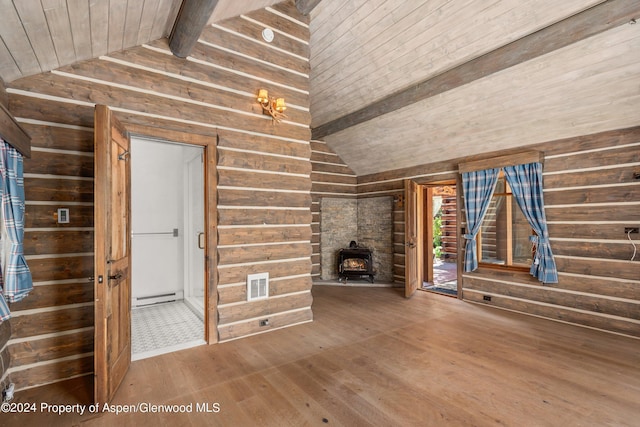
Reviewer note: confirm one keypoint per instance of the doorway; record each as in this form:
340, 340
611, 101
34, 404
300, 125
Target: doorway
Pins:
440, 238
167, 247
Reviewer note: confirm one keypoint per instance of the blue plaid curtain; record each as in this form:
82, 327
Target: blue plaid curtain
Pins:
478, 189
526, 186
15, 277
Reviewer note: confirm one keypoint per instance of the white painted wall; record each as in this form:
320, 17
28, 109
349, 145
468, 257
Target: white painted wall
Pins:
156, 207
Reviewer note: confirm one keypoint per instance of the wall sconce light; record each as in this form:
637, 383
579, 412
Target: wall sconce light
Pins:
272, 106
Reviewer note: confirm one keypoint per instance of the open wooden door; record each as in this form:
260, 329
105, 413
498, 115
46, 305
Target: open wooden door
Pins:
412, 239
112, 263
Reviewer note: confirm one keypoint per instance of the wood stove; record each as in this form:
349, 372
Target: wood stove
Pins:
355, 262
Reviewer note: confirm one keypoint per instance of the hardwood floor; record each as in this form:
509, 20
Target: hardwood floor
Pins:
373, 358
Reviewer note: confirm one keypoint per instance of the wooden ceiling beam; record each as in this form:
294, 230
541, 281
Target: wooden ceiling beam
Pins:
306, 6
191, 20
10, 130
590, 22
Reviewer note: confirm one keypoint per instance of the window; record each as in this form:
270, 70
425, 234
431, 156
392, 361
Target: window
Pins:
503, 239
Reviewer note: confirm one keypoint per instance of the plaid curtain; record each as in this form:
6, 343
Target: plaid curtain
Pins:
15, 277
478, 187
526, 186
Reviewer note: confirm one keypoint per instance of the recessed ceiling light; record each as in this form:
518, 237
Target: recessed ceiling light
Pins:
267, 35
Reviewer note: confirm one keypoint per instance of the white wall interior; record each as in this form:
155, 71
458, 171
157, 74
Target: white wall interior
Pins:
157, 209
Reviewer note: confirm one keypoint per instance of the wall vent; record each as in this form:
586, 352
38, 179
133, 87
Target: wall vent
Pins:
257, 286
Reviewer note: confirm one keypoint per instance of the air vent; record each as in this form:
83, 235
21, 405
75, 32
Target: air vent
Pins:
257, 286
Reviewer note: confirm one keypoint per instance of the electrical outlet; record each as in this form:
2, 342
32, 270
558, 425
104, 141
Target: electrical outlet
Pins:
264, 322
632, 230
486, 297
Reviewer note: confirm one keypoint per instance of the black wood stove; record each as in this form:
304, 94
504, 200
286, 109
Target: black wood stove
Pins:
355, 262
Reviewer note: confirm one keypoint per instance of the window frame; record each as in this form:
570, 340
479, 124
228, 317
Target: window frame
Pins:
509, 231
522, 157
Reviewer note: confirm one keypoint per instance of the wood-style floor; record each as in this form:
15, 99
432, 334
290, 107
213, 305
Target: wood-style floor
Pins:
372, 358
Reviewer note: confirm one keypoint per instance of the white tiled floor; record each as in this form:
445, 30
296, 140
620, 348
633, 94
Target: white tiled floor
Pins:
163, 328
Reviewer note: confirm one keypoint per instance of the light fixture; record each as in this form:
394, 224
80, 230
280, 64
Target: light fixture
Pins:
272, 106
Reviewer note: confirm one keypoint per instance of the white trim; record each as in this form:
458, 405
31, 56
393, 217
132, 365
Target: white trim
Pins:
232, 168
61, 282
327, 193
287, 17
546, 304
545, 288
271, 261
157, 116
595, 259
261, 43
554, 319
56, 256
588, 276
334, 183
593, 222
274, 279
248, 245
52, 124
56, 203
39, 95
49, 335
267, 330
336, 173
269, 297
66, 152
253, 319
264, 153
583, 187
593, 150
252, 58
67, 177
18, 313
33, 229
14, 369
582, 205
171, 97
408, 177
232, 227
273, 208
568, 239
380, 192
230, 70
594, 168
329, 163
265, 190
55, 381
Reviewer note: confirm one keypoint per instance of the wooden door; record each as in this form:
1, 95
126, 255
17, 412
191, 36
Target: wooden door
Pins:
412, 250
112, 264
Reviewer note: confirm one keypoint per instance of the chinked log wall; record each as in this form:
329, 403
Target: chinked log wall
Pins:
590, 197
263, 178
332, 178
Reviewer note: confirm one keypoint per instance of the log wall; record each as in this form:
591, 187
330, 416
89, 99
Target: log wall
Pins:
331, 178
263, 170
591, 196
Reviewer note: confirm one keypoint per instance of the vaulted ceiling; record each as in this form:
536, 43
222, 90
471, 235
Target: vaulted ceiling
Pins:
397, 83
42, 35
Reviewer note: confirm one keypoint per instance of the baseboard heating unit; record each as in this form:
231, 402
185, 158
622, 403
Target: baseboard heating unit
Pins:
156, 299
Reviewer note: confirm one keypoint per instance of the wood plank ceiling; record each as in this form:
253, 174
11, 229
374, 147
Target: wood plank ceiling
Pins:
42, 35
363, 51
368, 51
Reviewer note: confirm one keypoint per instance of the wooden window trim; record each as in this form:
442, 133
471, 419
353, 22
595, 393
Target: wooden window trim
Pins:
521, 158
